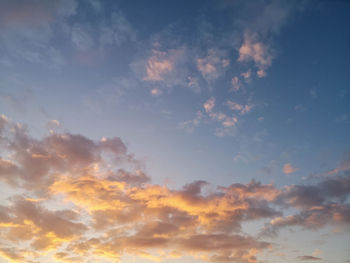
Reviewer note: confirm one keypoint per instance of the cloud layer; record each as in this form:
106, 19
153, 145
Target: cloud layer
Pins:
80, 199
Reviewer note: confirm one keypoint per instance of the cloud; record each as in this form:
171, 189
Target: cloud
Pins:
52, 125
27, 30
247, 75
190, 125
209, 104
227, 122
308, 258
259, 24
82, 199
157, 67
213, 65
81, 38
164, 69
288, 168
320, 205
156, 92
256, 51
344, 165
33, 13
236, 85
242, 109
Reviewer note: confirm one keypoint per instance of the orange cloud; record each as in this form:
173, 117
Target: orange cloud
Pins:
80, 205
288, 168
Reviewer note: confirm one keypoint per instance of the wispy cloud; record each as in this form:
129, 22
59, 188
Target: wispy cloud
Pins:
242, 109
308, 258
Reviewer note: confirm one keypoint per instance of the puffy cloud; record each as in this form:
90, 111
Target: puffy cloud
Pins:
11, 254
261, 22
45, 229
85, 199
320, 205
152, 216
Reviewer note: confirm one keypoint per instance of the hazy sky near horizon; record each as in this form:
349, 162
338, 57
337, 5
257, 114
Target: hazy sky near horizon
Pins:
174, 131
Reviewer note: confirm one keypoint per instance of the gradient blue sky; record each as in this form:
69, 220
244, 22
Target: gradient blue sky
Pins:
224, 92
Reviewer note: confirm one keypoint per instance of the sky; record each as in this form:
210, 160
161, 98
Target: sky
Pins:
174, 131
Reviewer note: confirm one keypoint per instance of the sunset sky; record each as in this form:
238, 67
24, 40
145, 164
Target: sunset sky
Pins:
174, 131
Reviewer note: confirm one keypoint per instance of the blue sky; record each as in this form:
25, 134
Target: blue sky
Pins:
251, 96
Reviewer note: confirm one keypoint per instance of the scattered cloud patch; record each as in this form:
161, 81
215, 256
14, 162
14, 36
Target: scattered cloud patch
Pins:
158, 66
236, 84
242, 109
289, 169
257, 52
213, 65
209, 105
247, 75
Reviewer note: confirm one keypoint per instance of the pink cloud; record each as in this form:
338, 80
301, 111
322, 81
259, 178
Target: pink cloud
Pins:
242, 109
256, 51
209, 104
213, 65
343, 166
288, 168
157, 67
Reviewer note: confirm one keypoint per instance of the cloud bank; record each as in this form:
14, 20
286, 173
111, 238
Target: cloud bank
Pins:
80, 199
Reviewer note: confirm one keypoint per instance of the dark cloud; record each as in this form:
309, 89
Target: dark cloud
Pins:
308, 258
